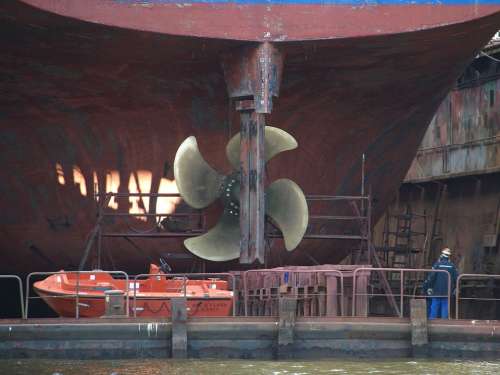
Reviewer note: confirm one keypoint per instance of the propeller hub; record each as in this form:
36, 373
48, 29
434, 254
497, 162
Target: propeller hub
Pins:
200, 185
230, 194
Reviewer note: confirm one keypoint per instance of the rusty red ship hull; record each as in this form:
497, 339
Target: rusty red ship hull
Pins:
118, 85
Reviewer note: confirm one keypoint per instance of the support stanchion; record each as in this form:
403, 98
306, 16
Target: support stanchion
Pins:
287, 308
419, 331
179, 328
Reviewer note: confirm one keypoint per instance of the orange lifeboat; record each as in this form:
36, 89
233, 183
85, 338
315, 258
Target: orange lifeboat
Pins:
147, 297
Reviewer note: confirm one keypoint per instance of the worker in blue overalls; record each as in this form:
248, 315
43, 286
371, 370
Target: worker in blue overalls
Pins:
436, 285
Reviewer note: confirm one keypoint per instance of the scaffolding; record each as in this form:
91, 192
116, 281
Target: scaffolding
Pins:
351, 222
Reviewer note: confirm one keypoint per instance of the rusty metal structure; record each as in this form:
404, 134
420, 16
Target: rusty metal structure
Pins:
454, 177
464, 136
128, 227
98, 95
454, 181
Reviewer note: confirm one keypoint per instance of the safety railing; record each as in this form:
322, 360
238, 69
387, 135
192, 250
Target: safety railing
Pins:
20, 289
287, 275
471, 276
131, 290
78, 294
186, 277
402, 272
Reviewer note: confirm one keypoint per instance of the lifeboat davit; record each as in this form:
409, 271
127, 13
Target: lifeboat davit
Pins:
150, 297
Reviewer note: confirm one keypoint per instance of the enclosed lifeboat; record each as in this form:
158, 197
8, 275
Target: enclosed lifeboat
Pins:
149, 297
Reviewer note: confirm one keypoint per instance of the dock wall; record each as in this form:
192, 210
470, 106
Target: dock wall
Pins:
248, 338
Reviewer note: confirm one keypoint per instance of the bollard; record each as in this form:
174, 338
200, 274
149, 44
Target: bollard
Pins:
287, 310
419, 331
179, 329
114, 304
332, 294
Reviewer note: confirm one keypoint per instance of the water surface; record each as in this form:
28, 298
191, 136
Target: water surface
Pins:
240, 367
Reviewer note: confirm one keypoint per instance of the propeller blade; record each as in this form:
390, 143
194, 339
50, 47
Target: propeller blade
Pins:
197, 182
275, 141
287, 206
220, 243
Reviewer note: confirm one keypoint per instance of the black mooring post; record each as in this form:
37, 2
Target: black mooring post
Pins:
253, 76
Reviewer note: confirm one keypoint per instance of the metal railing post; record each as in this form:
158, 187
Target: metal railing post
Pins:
457, 296
449, 294
234, 297
245, 292
21, 299
77, 299
127, 291
354, 285
184, 285
342, 304
26, 304
135, 295
402, 286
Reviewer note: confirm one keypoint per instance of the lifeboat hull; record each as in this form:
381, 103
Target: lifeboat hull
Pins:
152, 297
94, 307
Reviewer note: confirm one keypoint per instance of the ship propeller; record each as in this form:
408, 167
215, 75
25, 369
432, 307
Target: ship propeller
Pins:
200, 185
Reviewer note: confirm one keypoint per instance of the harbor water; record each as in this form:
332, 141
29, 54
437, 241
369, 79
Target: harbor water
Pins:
242, 367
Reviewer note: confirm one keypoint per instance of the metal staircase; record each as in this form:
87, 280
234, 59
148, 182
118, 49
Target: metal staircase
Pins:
404, 239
